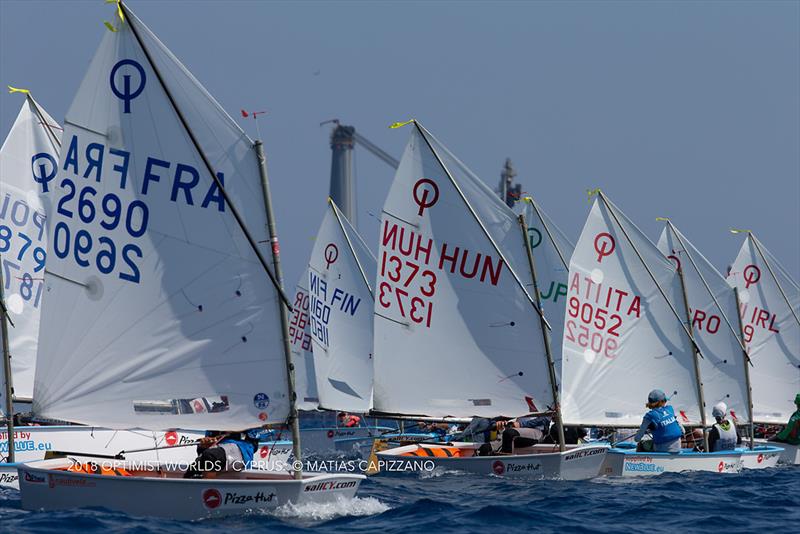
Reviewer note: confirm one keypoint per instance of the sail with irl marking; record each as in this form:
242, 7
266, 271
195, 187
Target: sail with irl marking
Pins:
551, 251
340, 276
305, 379
456, 333
28, 162
771, 329
622, 338
158, 312
714, 324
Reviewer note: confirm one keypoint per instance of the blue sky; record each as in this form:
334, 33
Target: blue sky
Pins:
683, 109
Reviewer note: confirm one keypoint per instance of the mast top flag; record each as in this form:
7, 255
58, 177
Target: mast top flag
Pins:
157, 238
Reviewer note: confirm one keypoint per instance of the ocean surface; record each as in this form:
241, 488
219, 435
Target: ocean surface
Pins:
767, 500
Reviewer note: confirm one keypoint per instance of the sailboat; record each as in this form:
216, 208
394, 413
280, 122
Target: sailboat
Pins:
163, 207
28, 164
769, 306
725, 365
625, 334
454, 321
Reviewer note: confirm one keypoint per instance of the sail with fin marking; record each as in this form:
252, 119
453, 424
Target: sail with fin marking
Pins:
340, 275
305, 378
551, 251
621, 337
454, 324
159, 313
28, 163
771, 329
715, 326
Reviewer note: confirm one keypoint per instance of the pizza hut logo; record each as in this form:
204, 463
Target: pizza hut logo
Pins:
330, 434
171, 438
721, 466
760, 458
263, 452
212, 498
498, 467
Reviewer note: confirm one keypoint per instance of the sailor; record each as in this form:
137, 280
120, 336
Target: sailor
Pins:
791, 434
523, 432
723, 435
572, 434
348, 420
661, 423
224, 451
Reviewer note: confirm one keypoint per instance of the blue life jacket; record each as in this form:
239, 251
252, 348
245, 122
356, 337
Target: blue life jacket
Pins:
246, 441
665, 425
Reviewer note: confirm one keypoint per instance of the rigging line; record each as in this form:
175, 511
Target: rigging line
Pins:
480, 223
350, 246
708, 288
47, 126
775, 278
207, 163
611, 208
549, 234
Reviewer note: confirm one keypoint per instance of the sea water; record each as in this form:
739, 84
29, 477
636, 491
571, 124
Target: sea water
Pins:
766, 500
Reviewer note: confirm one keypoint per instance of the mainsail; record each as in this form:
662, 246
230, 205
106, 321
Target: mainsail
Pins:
622, 336
453, 322
769, 303
305, 378
339, 281
551, 250
28, 163
714, 324
159, 312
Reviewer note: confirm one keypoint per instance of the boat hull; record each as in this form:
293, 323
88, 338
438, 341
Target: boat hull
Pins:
540, 461
44, 485
629, 463
761, 457
790, 454
33, 442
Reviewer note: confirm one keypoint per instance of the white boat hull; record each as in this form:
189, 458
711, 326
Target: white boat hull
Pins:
628, 463
761, 457
540, 461
9, 478
33, 442
790, 454
45, 486
356, 439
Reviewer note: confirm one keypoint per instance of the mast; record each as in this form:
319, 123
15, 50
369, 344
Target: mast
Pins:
276, 264
9, 384
696, 352
746, 368
545, 333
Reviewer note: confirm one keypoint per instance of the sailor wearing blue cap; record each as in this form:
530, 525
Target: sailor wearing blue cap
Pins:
661, 423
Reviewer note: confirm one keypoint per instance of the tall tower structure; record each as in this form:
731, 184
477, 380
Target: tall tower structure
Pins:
509, 192
342, 189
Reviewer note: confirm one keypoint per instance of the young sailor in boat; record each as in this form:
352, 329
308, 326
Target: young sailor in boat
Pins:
791, 434
723, 435
224, 451
661, 423
522, 432
347, 420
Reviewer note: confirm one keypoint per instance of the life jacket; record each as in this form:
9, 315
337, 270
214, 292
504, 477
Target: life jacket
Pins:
351, 421
727, 437
665, 425
92, 468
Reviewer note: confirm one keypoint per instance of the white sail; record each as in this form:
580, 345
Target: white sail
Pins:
551, 252
305, 378
339, 281
715, 326
158, 312
455, 332
621, 339
28, 163
771, 330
